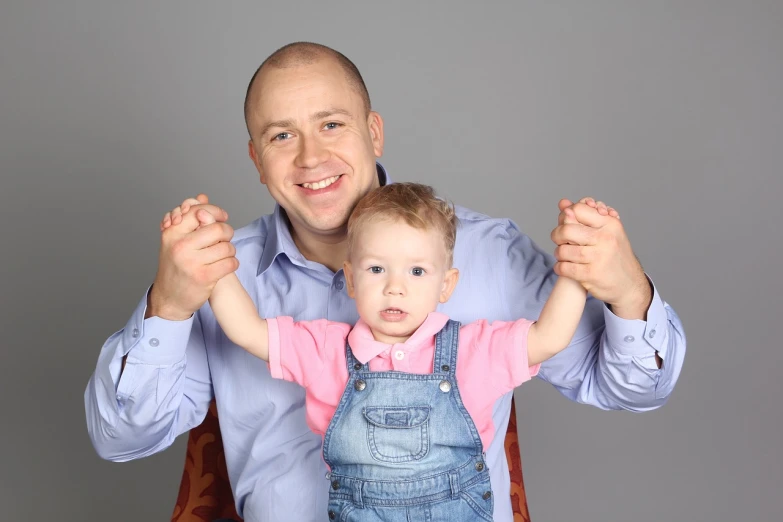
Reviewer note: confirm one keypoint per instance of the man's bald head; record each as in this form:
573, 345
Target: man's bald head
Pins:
305, 53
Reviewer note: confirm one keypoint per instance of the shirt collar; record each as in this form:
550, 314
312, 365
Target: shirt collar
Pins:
279, 241
365, 347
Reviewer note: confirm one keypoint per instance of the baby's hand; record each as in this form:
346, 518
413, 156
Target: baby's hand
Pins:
174, 217
599, 206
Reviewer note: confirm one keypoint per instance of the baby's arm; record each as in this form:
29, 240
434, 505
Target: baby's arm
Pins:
561, 314
238, 316
234, 310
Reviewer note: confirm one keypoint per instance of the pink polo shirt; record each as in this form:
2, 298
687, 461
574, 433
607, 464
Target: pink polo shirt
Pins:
491, 361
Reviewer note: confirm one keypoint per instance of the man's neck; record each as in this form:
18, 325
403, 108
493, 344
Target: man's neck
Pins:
329, 250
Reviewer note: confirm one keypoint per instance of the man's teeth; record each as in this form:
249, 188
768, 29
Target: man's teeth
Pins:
321, 184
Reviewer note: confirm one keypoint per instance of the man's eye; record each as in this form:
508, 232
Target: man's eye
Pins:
282, 136
417, 271
332, 125
376, 269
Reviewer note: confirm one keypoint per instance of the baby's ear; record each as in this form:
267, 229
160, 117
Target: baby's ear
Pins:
449, 284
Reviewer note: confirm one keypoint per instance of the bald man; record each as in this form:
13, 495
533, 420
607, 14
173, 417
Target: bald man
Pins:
315, 142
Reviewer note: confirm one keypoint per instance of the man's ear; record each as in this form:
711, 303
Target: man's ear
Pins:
375, 123
251, 151
449, 283
348, 272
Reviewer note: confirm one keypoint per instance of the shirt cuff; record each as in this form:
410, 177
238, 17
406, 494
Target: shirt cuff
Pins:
154, 340
275, 366
635, 336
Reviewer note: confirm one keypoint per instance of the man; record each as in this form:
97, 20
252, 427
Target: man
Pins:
315, 142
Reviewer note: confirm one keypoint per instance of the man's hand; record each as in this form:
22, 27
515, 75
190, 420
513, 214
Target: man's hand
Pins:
597, 253
192, 259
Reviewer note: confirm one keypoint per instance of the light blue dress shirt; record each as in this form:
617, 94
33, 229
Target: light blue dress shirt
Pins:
175, 368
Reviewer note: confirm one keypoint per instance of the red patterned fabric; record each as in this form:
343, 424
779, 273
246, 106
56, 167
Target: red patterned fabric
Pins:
205, 493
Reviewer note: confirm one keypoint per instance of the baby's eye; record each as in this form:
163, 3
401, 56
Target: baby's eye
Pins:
376, 269
417, 271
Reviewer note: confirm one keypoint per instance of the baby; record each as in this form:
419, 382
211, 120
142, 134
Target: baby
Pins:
403, 399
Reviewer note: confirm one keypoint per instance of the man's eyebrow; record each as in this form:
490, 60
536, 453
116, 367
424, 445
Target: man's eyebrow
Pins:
273, 124
329, 112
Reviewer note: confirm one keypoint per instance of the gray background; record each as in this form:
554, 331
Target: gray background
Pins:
111, 113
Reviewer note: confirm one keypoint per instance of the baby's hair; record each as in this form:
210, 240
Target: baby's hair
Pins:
414, 204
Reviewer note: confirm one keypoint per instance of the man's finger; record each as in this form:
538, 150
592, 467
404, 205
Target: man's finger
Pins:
575, 271
204, 217
215, 253
221, 268
575, 254
210, 235
576, 234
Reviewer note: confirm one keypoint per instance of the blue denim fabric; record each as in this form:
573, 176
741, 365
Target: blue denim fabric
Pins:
402, 446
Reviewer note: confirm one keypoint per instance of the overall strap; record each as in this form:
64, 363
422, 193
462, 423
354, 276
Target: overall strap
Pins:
446, 345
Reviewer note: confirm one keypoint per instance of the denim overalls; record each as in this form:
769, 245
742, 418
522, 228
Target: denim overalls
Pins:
402, 447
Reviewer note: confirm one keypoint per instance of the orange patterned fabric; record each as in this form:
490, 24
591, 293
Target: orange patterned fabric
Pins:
205, 492
518, 496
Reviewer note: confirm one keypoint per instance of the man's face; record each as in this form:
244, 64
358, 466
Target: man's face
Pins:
313, 144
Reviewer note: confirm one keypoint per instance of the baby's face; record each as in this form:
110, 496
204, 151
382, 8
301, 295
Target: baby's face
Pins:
398, 274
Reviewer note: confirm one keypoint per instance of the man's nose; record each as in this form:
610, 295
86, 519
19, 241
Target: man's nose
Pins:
311, 152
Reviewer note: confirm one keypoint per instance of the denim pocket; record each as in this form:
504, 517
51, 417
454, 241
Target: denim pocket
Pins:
398, 433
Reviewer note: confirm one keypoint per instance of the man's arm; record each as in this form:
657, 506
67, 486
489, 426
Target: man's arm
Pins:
163, 390
142, 393
611, 361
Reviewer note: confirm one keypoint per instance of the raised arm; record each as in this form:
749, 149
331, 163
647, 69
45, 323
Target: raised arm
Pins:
234, 310
557, 323
161, 351
238, 316
561, 314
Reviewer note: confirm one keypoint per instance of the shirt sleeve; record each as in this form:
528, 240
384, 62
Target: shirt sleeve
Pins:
498, 350
610, 362
299, 350
163, 391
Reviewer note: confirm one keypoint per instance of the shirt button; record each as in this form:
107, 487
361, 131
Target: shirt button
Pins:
479, 466
399, 355
359, 385
652, 333
629, 339
154, 342
486, 495
357, 366
339, 284
135, 332
445, 386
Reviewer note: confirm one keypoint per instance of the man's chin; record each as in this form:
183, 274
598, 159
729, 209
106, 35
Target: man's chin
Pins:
329, 225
